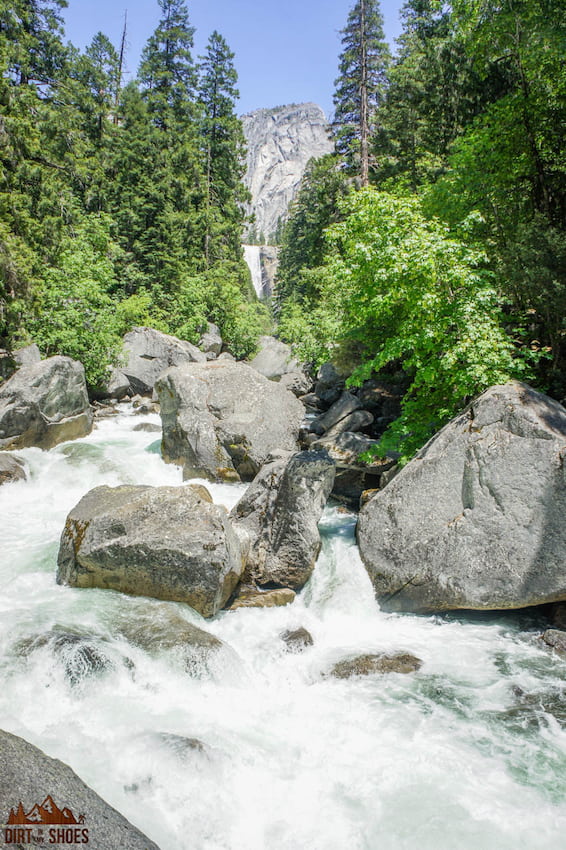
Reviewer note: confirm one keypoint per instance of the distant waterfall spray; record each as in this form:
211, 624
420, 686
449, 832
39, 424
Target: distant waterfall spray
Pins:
252, 256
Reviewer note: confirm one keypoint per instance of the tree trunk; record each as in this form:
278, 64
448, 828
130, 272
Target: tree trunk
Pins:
364, 104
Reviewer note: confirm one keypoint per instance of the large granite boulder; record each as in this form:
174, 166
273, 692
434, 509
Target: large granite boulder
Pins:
44, 404
274, 358
170, 543
150, 352
476, 519
28, 355
280, 513
222, 419
49, 791
211, 342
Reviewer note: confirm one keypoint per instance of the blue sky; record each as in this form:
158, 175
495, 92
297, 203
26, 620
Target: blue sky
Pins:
286, 50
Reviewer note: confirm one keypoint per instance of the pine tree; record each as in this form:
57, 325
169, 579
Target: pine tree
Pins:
167, 71
361, 86
224, 151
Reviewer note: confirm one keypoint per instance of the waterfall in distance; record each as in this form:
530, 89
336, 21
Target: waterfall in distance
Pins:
252, 256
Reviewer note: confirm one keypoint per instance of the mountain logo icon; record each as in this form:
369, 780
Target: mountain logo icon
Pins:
47, 812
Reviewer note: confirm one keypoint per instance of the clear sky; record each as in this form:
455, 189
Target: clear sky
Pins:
286, 50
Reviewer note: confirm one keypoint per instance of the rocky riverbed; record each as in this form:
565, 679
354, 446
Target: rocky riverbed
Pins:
317, 720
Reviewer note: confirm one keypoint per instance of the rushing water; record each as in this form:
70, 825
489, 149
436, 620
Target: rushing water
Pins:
470, 752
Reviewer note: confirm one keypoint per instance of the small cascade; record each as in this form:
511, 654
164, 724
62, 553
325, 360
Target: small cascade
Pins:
252, 256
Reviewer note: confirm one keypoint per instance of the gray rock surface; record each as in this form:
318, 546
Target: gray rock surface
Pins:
556, 639
11, 469
298, 383
329, 384
44, 404
169, 543
150, 352
221, 420
28, 355
344, 406
280, 143
211, 341
476, 519
274, 358
280, 513
118, 385
29, 776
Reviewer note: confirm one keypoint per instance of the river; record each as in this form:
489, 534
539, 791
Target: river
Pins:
468, 753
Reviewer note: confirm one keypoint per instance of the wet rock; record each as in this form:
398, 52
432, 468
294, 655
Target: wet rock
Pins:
11, 469
311, 401
27, 774
81, 655
149, 353
159, 628
280, 513
476, 519
221, 420
297, 640
44, 404
556, 639
211, 341
169, 543
367, 665
254, 598
181, 746
148, 427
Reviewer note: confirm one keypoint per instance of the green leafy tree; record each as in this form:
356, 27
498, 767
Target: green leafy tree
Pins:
399, 290
361, 86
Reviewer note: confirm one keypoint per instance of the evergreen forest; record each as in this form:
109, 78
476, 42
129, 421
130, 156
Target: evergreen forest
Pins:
431, 244
120, 205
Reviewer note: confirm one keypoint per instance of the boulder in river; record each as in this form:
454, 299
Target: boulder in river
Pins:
222, 419
11, 469
44, 404
280, 513
169, 543
367, 665
150, 352
157, 627
476, 519
43, 784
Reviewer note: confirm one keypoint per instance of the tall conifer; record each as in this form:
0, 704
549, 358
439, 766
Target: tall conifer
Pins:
360, 88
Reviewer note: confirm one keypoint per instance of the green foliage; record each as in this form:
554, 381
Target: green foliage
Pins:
73, 313
398, 289
313, 210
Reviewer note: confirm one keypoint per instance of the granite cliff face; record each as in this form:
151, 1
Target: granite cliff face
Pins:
280, 142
